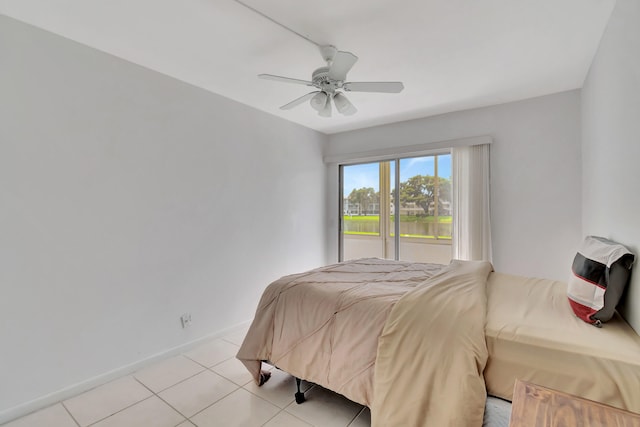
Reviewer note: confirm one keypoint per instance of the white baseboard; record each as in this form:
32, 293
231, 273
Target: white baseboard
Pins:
75, 389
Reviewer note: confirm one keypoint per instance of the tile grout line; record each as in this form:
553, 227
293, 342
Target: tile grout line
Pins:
70, 414
356, 417
231, 381
172, 385
274, 415
244, 389
167, 403
208, 406
265, 400
151, 391
289, 414
118, 411
156, 394
231, 342
209, 369
205, 368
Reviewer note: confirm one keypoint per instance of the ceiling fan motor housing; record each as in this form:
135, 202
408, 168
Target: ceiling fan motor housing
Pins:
320, 79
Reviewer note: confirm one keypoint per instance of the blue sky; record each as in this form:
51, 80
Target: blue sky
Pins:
366, 175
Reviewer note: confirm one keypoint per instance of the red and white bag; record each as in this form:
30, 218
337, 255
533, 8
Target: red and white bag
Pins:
601, 271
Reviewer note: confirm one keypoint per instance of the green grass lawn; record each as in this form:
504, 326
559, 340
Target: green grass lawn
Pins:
403, 218
372, 220
368, 218
421, 236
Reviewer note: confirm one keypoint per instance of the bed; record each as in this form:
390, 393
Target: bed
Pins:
533, 335
430, 340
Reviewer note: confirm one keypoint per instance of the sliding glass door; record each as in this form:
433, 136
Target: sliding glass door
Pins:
417, 228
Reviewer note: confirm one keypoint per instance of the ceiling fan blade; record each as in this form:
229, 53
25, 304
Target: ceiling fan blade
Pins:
341, 64
284, 79
299, 101
385, 87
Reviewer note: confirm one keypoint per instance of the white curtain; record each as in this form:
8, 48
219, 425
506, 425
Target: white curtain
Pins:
471, 210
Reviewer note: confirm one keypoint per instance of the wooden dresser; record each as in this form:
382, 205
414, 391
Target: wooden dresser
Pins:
536, 406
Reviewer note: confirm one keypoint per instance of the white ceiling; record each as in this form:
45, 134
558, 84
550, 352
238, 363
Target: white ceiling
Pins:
450, 54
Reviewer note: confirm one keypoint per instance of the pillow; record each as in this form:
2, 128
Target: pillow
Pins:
601, 271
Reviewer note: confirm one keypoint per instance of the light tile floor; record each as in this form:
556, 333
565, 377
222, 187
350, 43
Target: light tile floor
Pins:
204, 387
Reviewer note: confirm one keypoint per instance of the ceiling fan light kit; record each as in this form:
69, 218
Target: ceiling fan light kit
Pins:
329, 80
326, 110
343, 105
319, 101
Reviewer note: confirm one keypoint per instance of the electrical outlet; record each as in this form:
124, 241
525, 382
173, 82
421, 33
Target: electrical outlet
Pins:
185, 319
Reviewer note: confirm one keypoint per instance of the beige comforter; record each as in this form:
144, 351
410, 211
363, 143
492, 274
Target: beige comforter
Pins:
418, 327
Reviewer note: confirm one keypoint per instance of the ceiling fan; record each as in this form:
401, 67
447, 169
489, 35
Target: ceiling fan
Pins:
329, 80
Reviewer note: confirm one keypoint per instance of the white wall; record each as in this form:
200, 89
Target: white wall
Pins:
611, 140
126, 199
535, 176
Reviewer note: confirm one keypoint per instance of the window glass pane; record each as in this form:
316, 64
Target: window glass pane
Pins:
445, 199
416, 195
361, 199
392, 208
361, 236
425, 197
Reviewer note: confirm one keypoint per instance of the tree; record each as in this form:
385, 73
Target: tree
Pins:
364, 197
420, 189
444, 192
